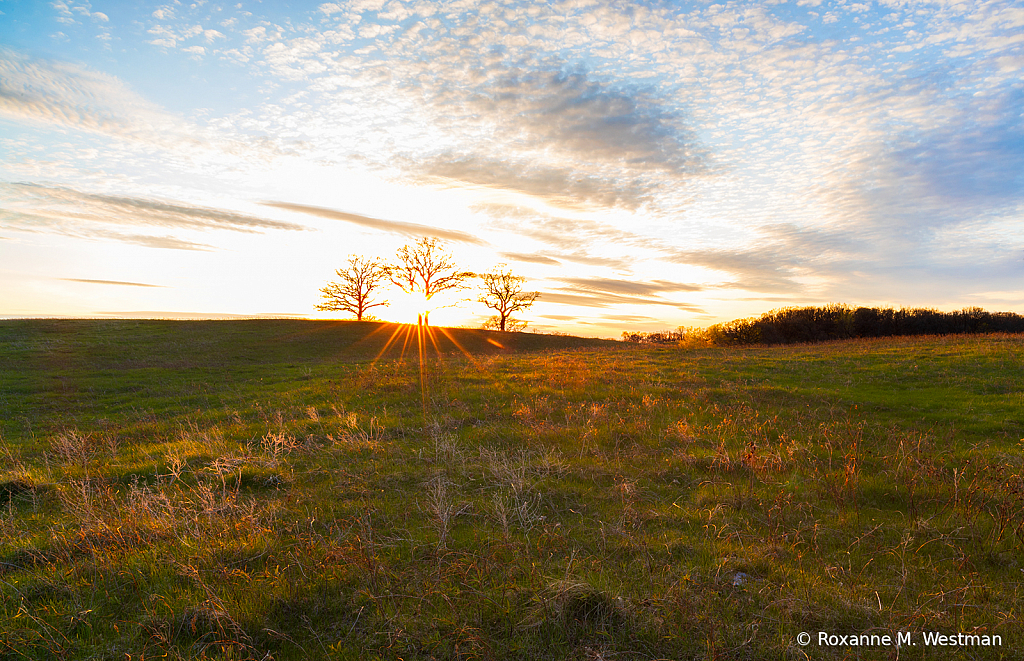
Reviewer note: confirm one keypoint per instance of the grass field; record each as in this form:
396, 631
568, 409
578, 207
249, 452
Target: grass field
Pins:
266, 489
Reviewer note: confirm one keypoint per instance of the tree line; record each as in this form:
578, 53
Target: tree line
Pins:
837, 321
425, 268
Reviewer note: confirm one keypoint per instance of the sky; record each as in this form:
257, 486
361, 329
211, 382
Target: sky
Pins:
644, 165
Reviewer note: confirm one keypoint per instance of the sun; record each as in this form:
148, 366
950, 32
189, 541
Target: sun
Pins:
408, 308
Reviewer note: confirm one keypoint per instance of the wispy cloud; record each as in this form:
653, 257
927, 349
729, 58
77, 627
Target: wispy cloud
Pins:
627, 317
110, 282
767, 270
41, 225
394, 226
603, 292
973, 165
590, 259
171, 314
561, 186
119, 125
772, 266
530, 258
145, 240
51, 92
60, 203
584, 298
60, 210
575, 300
559, 232
628, 287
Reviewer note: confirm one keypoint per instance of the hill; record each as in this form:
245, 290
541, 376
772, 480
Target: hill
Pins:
110, 343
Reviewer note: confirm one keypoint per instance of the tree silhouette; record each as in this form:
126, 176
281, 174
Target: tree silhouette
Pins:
426, 267
354, 291
503, 293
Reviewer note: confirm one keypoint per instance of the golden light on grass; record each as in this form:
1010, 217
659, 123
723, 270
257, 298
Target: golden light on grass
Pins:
426, 340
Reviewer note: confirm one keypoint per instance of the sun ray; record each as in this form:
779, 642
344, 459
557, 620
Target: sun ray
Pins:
381, 328
451, 338
423, 371
405, 342
394, 334
432, 336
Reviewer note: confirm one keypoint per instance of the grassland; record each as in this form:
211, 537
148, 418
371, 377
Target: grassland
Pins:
258, 490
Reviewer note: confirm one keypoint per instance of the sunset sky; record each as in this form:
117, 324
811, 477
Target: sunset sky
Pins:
644, 165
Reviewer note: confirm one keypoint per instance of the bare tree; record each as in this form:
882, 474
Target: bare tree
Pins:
503, 293
426, 267
355, 290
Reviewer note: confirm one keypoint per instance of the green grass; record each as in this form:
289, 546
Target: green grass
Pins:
266, 489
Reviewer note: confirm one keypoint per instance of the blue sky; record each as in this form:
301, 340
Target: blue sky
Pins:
644, 165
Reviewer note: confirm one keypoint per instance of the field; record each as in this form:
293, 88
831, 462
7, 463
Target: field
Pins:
269, 490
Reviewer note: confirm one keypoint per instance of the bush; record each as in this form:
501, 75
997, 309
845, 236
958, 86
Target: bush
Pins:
836, 321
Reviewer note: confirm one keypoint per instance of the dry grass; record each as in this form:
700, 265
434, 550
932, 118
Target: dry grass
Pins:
614, 505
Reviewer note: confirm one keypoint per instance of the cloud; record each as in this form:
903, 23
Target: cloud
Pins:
66, 12
165, 242
58, 210
586, 120
588, 242
530, 258
628, 286
565, 187
932, 200
567, 138
395, 226
330, 8
584, 298
40, 225
600, 292
627, 317
578, 240
557, 231
970, 164
60, 204
110, 282
564, 134
585, 257
766, 269
52, 92
59, 95
964, 166
767, 299
166, 314
571, 299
